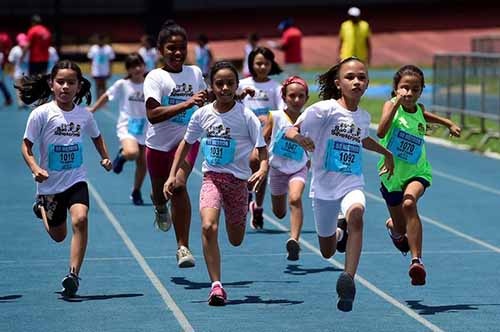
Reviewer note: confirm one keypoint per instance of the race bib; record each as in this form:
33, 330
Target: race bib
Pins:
101, 59
343, 157
64, 157
285, 148
405, 146
261, 111
183, 117
136, 125
218, 151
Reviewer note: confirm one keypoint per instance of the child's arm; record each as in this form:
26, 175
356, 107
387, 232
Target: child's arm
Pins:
180, 154
433, 118
39, 173
101, 148
157, 113
372, 145
268, 129
293, 134
259, 176
99, 103
388, 112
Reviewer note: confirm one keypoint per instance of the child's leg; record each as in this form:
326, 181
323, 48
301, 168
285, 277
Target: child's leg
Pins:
278, 184
79, 222
279, 205
255, 165
211, 252
181, 206
234, 195
413, 191
296, 188
325, 217
130, 149
140, 168
353, 207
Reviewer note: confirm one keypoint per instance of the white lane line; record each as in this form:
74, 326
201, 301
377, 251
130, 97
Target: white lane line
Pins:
445, 227
467, 182
169, 301
360, 279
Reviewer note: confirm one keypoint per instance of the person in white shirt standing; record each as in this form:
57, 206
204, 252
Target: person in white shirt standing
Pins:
172, 94
101, 55
58, 126
21, 63
132, 122
149, 52
229, 132
336, 131
203, 54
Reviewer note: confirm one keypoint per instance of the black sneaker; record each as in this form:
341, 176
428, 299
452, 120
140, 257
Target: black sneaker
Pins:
293, 249
346, 290
70, 284
136, 197
402, 243
342, 224
118, 162
36, 208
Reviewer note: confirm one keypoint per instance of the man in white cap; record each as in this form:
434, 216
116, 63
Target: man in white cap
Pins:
354, 37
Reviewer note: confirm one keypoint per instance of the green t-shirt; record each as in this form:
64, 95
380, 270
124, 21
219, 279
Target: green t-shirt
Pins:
405, 139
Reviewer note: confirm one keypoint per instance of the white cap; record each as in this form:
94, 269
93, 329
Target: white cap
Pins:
354, 12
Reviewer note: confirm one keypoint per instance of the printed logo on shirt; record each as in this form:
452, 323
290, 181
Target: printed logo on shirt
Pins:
136, 96
68, 130
348, 131
182, 90
219, 131
260, 95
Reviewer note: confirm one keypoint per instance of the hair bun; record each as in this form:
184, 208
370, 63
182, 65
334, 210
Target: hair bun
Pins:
168, 23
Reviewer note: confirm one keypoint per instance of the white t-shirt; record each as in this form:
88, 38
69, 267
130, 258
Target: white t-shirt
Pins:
239, 125
150, 57
101, 57
267, 96
202, 55
326, 120
53, 58
281, 122
248, 50
130, 97
170, 88
55, 129
20, 63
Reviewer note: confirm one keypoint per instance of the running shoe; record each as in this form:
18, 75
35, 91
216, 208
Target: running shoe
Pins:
217, 296
136, 197
342, 224
417, 272
293, 249
163, 220
402, 243
256, 216
36, 208
118, 162
346, 290
184, 257
70, 284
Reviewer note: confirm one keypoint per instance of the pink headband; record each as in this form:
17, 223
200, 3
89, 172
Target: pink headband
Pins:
293, 79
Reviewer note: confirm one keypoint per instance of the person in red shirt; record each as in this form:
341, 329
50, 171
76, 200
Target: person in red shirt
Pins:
291, 45
39, 38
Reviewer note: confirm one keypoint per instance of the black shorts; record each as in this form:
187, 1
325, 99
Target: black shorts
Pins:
394, 198
57, 205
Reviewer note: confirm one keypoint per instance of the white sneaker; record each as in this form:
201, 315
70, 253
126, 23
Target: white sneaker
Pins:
163, 220
184, 257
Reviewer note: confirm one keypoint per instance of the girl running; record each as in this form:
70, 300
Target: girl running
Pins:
172, 94
402, 128
132, 122
289, 163
58, 127
336, 130
229, 133
101, 55
263, 94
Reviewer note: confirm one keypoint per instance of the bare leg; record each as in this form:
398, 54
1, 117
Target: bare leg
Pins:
79, 224
295, 189
209, 236
354, 217
181, 206
413, 192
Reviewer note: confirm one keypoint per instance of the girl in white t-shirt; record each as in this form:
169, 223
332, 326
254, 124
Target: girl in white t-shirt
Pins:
336, 130
101, 55
58, 127
149, 52
288, 161
132, 122
261, 94
172, 94
21, 63
229, 132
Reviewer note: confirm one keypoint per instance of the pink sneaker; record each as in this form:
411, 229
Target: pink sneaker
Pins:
217, 296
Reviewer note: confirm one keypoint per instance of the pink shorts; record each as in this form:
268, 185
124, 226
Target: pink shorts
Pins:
278, 181
224, 190
160, 162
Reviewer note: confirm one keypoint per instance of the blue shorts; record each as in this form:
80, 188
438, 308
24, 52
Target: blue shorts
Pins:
395, 198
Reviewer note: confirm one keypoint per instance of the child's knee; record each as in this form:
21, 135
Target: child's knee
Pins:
355, 218
80, 222
209, 230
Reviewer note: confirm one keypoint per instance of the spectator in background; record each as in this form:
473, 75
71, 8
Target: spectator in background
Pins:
38, 44
354, 37
20, 62
149, 52
53, 58
203, 55
291, 45
5, 45
101, 55
253, 40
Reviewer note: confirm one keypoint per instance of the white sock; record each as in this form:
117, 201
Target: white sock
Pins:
215, 283
340, 234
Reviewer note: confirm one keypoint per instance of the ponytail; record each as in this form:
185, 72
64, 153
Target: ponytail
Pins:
34, 88
85, 92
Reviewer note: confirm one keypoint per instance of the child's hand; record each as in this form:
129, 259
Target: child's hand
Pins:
256, 179
305, 142
401, 93
198, 98
90, 109
168, 187
40, 175
455, 130
246, 92
107, 164
388, 167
